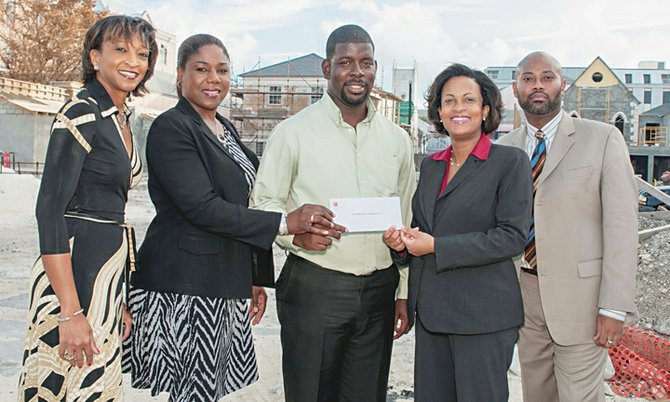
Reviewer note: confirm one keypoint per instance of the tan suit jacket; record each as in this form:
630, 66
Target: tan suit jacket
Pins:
585, 225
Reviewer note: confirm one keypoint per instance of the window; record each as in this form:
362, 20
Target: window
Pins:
317, 93
597, 77
619, 123
493, 74
514, 74
666, 97
647, 97
163, 54
665, 78
275, 96
646, 78
629, 78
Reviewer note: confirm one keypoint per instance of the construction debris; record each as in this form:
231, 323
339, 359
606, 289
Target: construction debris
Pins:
652, 287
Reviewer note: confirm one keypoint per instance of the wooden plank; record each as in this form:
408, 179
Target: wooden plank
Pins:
645, 234
659, 215
643, 185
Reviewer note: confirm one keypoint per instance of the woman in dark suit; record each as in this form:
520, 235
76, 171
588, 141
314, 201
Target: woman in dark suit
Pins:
471, 217
191, 335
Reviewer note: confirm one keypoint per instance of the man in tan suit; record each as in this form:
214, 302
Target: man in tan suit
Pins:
578, 272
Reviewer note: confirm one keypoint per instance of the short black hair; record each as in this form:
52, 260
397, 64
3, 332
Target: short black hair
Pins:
191, 45
489, 91
347, 34
115, 27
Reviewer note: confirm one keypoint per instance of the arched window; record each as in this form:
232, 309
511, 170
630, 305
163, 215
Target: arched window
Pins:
619, 122
163, 54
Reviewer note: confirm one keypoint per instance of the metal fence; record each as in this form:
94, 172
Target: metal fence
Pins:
15, 167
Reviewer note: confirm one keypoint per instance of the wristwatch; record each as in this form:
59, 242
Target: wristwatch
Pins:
283, 225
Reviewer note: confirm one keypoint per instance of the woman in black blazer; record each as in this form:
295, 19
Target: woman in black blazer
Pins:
191, 335
471, 217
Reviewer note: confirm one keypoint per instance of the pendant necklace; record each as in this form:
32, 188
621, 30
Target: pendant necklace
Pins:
123, 120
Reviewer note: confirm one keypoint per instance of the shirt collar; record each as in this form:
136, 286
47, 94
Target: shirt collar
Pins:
549, 129
334, 112
480, 151
104, 101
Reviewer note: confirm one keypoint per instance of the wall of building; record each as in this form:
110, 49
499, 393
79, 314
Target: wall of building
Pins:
256, 116
24, 133
602, 103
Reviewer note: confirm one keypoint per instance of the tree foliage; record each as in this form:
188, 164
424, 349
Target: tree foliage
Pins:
41, 40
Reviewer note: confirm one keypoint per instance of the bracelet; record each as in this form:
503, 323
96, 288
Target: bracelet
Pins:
69, 317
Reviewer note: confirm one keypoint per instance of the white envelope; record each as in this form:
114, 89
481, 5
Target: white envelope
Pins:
367, 214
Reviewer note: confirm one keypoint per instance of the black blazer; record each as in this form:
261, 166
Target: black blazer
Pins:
479, 222
200, 241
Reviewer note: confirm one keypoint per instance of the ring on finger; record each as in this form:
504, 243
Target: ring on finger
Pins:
610, 342
311, 219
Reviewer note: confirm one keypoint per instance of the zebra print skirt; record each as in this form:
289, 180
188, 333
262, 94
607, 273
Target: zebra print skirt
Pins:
195, 348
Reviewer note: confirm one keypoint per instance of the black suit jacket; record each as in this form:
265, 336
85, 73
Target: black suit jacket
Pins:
201, 240
479, 222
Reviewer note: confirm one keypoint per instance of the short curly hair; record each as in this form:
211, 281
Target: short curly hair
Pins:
489, 91
114, 27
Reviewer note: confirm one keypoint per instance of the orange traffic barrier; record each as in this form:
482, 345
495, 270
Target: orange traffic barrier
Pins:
642, 365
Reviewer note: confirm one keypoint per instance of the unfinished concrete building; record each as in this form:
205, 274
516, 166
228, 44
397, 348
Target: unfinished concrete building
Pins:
268, 95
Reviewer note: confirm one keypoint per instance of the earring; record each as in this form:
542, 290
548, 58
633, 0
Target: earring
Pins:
178, 84
96, 68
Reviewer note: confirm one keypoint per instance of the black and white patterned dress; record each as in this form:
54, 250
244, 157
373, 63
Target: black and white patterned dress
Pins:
195, 348
80, 210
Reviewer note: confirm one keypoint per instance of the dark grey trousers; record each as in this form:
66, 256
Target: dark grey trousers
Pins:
462, 368
336, 332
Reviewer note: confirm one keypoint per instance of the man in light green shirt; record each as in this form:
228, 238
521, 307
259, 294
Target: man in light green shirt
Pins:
335, 297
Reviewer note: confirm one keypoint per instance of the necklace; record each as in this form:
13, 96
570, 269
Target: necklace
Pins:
122, 119
216, 128
452, 161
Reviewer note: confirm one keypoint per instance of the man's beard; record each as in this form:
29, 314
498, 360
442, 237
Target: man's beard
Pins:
359, 100
552, 105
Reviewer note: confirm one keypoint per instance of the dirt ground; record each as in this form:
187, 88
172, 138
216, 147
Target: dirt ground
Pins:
18, 250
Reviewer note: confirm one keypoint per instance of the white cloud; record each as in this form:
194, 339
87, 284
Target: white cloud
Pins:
478, 33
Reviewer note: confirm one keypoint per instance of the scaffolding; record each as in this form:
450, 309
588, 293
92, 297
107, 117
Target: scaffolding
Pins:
260, 103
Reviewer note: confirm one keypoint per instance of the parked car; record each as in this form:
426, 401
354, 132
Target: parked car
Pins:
648, 202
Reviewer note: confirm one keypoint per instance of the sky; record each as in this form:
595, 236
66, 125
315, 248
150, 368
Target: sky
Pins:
478, 33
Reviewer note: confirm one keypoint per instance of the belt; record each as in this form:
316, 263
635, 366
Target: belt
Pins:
365, 275
529, 271
130, 238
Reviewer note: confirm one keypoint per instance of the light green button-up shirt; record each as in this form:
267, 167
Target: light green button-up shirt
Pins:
315, 156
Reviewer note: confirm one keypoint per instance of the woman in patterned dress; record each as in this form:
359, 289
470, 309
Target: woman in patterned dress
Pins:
73, 346
191, 333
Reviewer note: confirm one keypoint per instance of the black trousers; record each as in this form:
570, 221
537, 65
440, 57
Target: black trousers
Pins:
336, 332
462, 368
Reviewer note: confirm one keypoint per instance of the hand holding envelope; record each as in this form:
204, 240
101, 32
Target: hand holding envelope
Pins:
314, 219
417, 242
367, 214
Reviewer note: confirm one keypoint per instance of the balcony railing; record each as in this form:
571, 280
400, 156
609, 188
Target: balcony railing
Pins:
654, 136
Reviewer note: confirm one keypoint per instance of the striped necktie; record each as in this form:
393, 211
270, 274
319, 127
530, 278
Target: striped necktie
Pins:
537, 160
